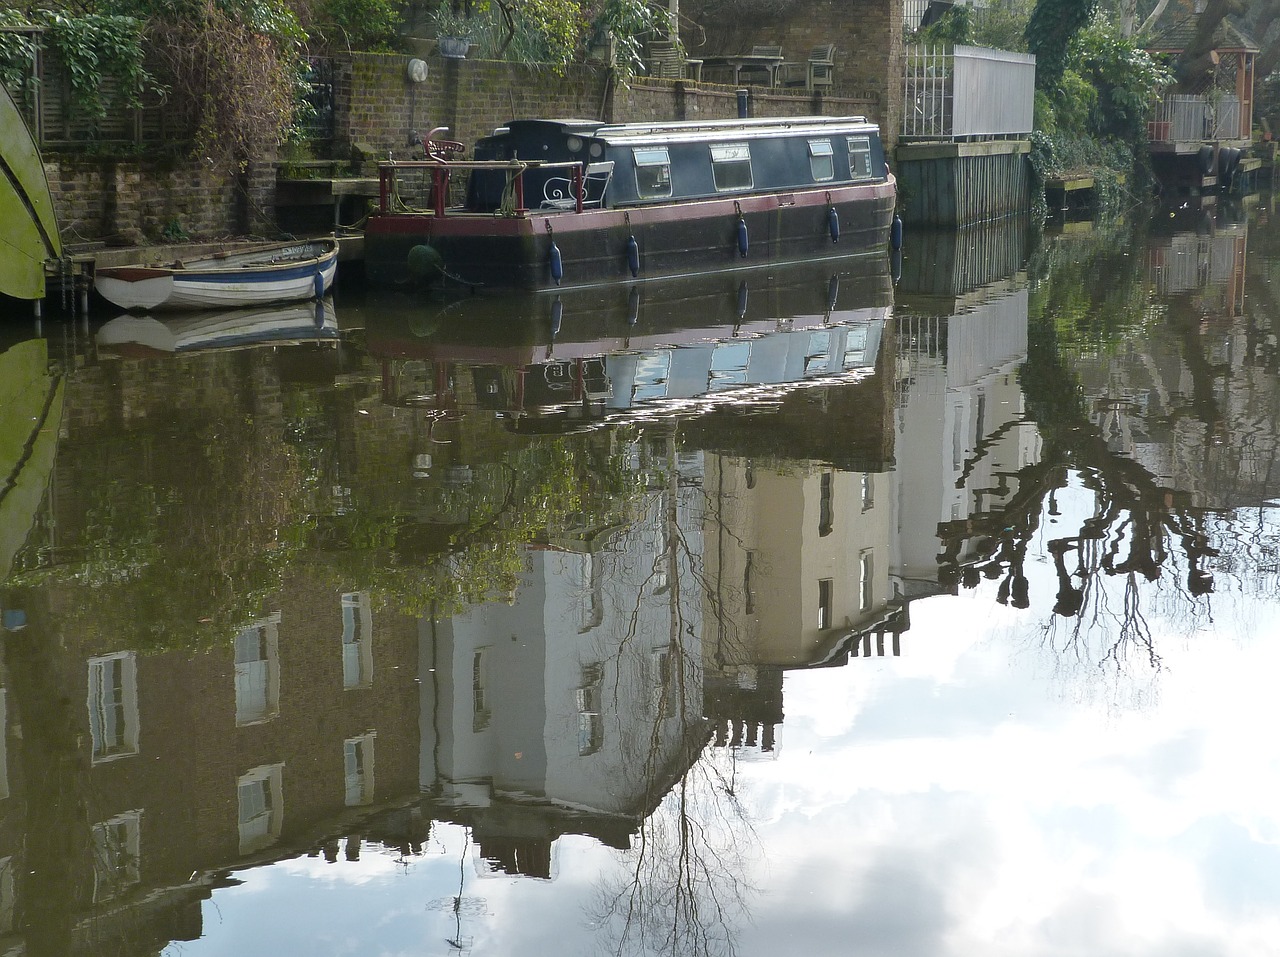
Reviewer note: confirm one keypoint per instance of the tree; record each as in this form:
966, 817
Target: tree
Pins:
1052, 27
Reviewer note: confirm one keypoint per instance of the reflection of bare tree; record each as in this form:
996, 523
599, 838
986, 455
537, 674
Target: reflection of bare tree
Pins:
1115, 536
684, 890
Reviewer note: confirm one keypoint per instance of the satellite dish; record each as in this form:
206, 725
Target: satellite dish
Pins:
417, 70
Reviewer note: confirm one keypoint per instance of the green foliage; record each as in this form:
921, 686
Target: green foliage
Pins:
92, 46
361, 24
17, 54
1126, 79
1050, 30
1075, 104
1002, 25
1044, 117
954, 26
555, 32
1113, 164
628, 21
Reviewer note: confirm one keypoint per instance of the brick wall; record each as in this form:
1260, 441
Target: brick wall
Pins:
135, 201
378, 106
867, 35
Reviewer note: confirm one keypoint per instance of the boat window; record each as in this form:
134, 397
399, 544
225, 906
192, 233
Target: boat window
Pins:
821, 160
731, 166
653, 173
860, 157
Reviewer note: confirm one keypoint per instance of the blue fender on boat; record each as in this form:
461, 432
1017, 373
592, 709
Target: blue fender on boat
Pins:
742, 237
895, 232
833, 224
557, 264
319, 284
633, 306
633, 256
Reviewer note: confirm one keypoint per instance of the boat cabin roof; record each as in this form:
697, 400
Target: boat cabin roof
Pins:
691, 131
628, 164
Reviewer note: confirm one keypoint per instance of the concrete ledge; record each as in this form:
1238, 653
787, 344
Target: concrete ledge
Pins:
934, 151
1069, 184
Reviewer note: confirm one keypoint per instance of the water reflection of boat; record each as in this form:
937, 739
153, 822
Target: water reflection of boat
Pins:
30, 413
611, 354
134, 335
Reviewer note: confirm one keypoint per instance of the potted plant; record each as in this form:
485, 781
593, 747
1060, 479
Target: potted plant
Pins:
453, 33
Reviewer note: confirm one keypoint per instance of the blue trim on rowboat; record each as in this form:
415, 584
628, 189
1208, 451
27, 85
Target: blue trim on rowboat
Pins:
261, 274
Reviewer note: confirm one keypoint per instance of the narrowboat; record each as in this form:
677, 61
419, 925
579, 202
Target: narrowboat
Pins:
562, 203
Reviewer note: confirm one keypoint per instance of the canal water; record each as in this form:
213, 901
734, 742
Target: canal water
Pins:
916, 606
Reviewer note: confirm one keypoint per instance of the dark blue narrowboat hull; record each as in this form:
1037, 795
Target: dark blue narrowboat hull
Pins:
595, 246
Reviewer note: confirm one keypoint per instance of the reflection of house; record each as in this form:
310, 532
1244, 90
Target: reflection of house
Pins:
1209, 265
962, 430
192, 762
571, 708
799, 556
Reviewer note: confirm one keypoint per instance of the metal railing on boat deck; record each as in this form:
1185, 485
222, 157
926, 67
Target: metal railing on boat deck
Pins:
513, 203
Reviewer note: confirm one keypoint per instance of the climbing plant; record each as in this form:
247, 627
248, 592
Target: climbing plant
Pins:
235, 67
1053, 25
92, 48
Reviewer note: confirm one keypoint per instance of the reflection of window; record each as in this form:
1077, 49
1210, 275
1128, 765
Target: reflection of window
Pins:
864, 580
591, 608
868, 491
660, 557
115, 854
818, 354
653, 173
113, 706
358, 761
825, 505
260, 796
479, 691
824, 603
357, 641
821, 161
590, 721
859, 157
258, 672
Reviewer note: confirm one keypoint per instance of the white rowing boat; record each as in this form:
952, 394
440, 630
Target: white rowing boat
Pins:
282, 272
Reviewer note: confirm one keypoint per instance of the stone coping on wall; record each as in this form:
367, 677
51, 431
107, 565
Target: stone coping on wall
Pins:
948, 150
